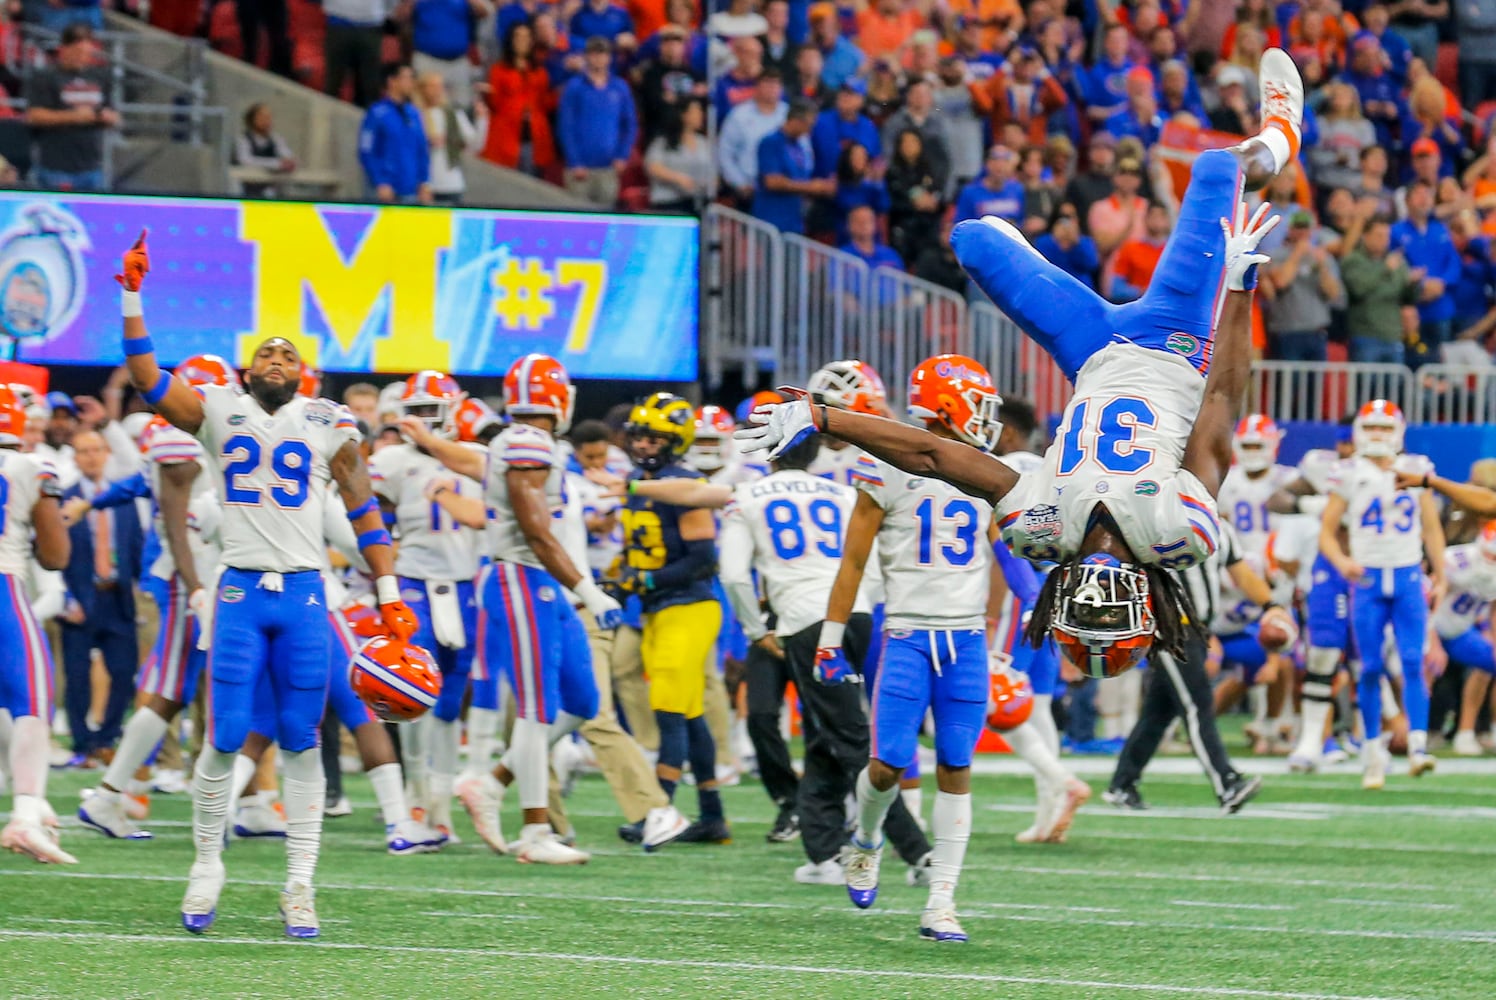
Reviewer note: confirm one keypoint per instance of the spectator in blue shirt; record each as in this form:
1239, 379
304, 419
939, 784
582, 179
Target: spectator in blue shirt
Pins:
997, 192
1433, 258
1140, 117
596, 126
1374, 18
863, 243
392, 143
736, 85
1066, 247
1381, 98
1104, 85
841, 125
1174, 84
441, 34
786, 172
840, 59
857, 187
606, 19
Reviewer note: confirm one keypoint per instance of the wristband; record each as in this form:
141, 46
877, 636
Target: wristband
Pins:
157, 392
1427, 481
1271, 605
824, 418
632, 487
369, 506
129, 304
387, 590
136, 346
831, 635
374, 536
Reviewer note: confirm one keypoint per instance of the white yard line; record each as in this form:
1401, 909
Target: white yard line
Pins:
674, 963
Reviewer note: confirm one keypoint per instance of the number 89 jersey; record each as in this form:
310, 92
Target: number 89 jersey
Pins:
933, 549
274, 470
1384, 522
1120, 445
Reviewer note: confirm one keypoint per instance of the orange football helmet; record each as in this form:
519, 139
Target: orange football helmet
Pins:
956, 392
1103, 617
1487, 541
538, 385
364, 621
432, 397
1010, 700
472, 418
311, 382
206, 369
398, 680
1254, 443
12, 416
849, 385
711, 449
753, 402
1377, 431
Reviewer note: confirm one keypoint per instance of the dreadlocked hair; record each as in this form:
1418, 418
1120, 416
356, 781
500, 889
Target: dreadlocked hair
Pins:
1174, 617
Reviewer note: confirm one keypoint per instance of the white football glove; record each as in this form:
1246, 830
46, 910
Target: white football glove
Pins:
197, 603
777, 427
1242, 257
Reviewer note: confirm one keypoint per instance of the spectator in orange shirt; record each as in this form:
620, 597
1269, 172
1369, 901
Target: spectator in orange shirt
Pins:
1022, 92
1000, 20
1131, 268
1120, 215
885, 27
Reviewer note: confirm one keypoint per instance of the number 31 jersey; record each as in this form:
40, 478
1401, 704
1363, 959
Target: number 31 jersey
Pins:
1384, 522
274, 469
933, 549
1120, 445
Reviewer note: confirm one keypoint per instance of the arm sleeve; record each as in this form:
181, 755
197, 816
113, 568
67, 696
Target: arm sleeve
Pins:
699, 563
369, 153
736, 573
1022, 580
127, 490
338, 531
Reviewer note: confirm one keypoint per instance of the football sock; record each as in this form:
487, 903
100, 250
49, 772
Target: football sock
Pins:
563, 726
1417, 741
144, 730
872, 806
914, 801
5, 737
1042, 719
445, 737
415, 744
951, 827
1390, 709
1029, 744
1278, 136
675, 744
389, 789
306, 792
30, 742
531, 763
1312, 736
704, 766
212, 792
482, 730
1257, 700
244, 773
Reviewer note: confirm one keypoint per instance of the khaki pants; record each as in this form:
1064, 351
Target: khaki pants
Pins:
625, 663
621, 759
600, 186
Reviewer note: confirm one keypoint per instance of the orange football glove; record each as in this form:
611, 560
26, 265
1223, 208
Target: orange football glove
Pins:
399, 619
137, 264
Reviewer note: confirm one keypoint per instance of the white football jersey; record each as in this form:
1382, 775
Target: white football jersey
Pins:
603, 548
569, 524
836, 464
167, 445
1120, 444
790, 527
274, 472
433, 546
1022, 462
23, 477
1472, 587
1243, 503
737, 472
518, 446
933, 549
1385, 523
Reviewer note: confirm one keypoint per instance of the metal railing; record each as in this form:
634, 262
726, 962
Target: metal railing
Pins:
1454, 394
825, 307
742, 296
1326, 390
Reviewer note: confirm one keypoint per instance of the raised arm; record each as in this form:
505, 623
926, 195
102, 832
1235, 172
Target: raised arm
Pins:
168, 396
453, 454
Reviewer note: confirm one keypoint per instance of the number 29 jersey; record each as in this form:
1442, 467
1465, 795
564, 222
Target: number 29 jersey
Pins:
1385, 523
1120, 445
933, 549
275, 471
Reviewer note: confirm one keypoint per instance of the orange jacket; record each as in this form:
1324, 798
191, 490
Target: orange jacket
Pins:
512, 94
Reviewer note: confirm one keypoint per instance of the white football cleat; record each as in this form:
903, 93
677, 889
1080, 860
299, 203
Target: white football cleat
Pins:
35, 840
169, 782
298, 908
411, 837
1421, 763
1466, 745
258, 820
545, 848
828, 872
1282, 89
1076, 794
863, 863
339, 808
1374, 766
1299, 763
482, 796
662, 825
941, 925
106, 812
200, 903
1012, 232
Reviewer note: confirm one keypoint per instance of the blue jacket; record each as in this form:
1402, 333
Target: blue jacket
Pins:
1380, 87
596, 125
1104, 85
78, 575
977, 200
611, 23
1432, 248
442, 29
1080, 261
777, 154
1472, 293
831, 133
392, 147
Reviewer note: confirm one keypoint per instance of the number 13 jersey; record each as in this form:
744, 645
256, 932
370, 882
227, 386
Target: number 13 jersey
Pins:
1120, 445
933, 549
274, 469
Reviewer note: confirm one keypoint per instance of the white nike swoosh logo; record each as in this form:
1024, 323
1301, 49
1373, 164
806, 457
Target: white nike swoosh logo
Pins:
1210, 255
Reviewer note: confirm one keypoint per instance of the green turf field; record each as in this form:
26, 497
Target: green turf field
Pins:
1317, 890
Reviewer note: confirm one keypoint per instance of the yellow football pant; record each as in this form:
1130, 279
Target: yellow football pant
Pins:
677, 643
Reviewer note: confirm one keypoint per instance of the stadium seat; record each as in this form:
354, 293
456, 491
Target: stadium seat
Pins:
1447, 66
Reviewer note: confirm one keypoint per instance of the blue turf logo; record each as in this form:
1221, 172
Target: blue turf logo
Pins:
42, 281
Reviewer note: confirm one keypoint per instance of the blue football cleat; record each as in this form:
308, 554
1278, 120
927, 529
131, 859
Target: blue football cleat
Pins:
200, 903
941, 925
198, 923
298, 909
105, 814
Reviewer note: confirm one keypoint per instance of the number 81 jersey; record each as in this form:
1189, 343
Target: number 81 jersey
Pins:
932, 548
1384, 523
274, 470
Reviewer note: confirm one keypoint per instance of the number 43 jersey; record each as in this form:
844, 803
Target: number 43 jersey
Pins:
1384, 522
933, 549
1120, 445
274, 468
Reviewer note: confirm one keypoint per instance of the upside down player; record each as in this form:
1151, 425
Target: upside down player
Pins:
1126, 490
277, 453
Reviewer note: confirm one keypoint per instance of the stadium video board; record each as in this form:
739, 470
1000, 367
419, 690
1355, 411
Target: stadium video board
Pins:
358, 288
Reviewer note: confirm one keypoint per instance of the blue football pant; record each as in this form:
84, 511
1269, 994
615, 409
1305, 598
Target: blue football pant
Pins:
1390, 597
943, 672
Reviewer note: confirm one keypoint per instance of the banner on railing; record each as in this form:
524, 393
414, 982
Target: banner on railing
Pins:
356, 288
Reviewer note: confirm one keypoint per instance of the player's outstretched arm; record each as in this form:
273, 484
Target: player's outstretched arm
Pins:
1476, 499
453, 454
532, 512
167, 396
681, 492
